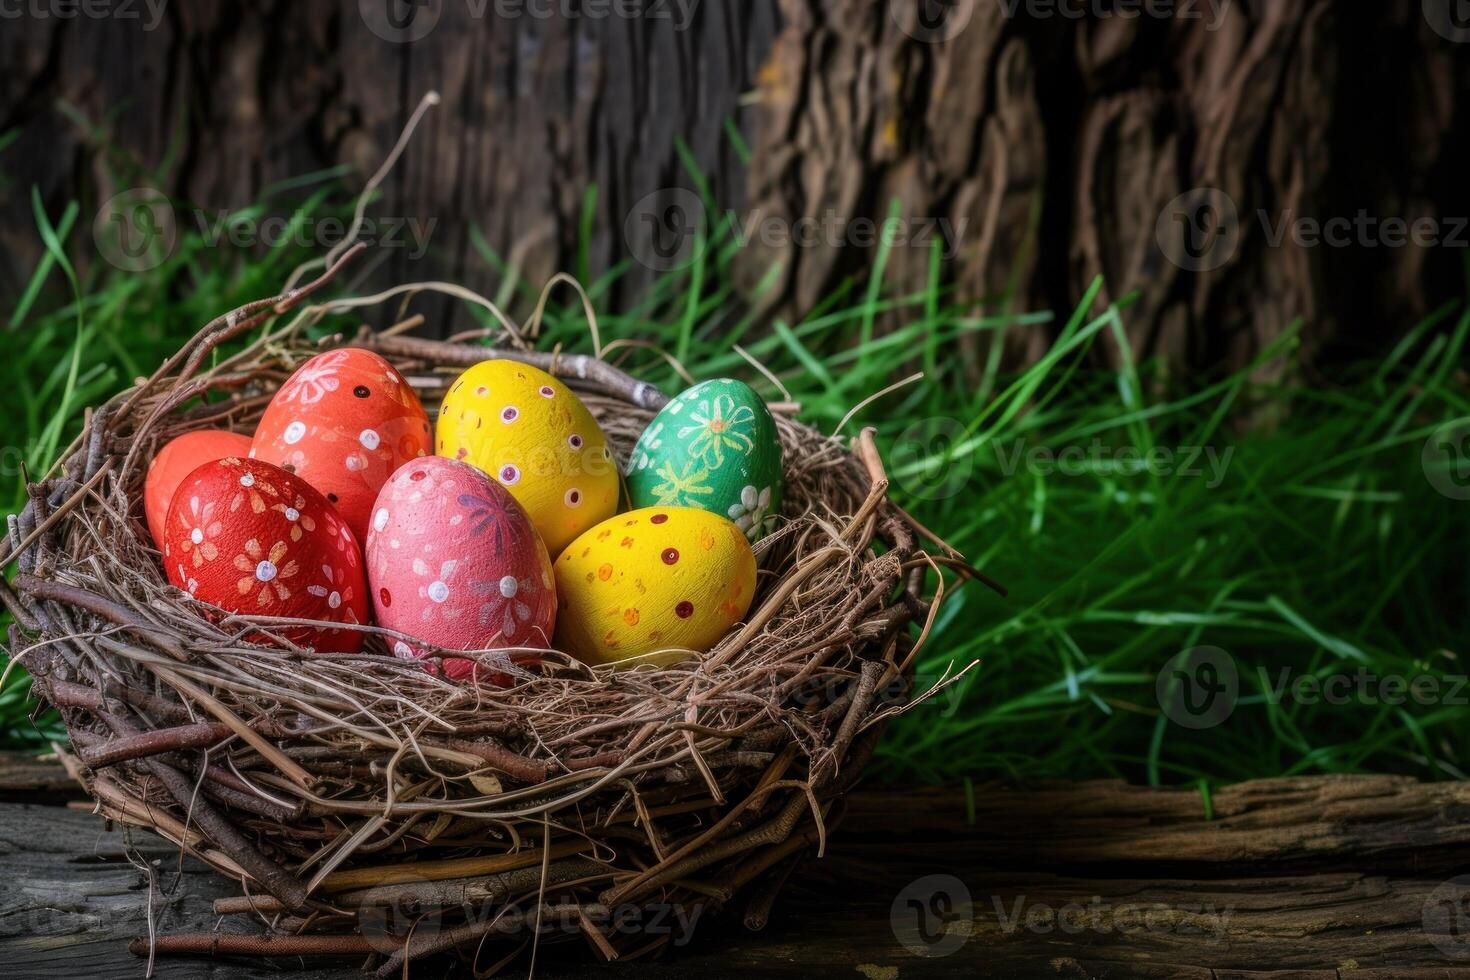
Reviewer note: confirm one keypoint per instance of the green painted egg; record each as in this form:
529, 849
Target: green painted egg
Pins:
713, 447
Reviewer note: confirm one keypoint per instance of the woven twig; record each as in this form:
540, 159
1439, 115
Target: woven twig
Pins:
328, 785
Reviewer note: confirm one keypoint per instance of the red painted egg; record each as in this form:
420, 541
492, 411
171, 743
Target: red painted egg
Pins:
343, 423
177, 460
251, 538
454, 561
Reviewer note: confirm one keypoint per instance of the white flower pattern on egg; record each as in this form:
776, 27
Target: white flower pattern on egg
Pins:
314, 381
753, 513
506, 603
437, 590
714, 447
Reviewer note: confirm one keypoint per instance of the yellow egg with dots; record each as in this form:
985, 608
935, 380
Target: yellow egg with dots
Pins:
529, 432
652, 585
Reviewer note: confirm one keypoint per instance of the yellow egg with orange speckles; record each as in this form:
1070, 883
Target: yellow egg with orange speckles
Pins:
654, 583
528, 431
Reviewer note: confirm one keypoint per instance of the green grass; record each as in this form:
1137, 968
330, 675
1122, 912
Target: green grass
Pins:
1317, 545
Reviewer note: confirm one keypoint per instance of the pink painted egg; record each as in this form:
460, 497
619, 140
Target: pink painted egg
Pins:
251, 538
176, 460
343, 423
454, 561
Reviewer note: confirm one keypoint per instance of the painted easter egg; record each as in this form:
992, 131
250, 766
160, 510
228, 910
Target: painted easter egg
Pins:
656, 580
713, 447
251, 538
176, 460
344, 422
454, 561
528, 431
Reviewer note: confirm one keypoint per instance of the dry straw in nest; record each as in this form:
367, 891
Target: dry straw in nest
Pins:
366, 806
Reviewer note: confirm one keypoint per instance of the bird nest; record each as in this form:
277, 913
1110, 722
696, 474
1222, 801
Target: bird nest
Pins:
364, 805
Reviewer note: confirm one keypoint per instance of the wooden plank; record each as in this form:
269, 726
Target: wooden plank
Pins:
1311, 878
28, 778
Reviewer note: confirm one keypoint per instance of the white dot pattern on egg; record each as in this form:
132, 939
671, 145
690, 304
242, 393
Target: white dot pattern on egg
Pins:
344, 422
531, 433
453, 561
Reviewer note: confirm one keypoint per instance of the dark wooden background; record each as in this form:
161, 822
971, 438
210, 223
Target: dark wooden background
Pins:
1055, 140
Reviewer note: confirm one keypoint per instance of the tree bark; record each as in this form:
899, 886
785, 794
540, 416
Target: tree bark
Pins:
1055, 144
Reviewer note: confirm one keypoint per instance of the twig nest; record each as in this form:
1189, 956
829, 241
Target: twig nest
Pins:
308, 778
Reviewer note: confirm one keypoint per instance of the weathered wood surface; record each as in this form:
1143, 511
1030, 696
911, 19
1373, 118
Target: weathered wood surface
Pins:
27, 778
1302, 878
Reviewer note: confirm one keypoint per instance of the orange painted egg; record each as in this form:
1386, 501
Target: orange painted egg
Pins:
528, 431
344, 422
178, 459
454, 561
251, 538
654, 583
